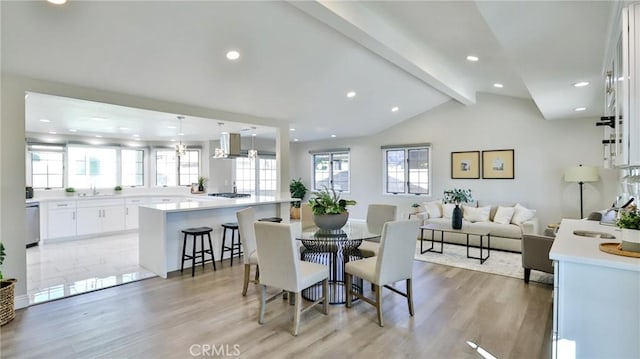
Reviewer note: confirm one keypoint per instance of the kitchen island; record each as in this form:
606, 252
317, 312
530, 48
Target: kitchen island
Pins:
160, 239
596, 299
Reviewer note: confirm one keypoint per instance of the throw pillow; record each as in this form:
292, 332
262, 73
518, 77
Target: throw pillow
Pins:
522, 214
447, 210
504, 215
476, 214
433, 208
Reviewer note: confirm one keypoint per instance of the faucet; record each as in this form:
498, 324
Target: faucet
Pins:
94, 190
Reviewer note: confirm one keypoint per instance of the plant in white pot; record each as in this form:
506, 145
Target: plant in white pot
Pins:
457, 196
629, 223
7, 308
329, 210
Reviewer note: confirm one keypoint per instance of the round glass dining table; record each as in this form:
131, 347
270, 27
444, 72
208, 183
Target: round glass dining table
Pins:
335, 248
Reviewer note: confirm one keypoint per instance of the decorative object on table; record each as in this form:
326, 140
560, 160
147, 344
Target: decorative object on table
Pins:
117, 189
629, 223
581, 174
7, 307
465, 165
201, 182
297, 190
70, 191
457, 196
498, 164
329, 210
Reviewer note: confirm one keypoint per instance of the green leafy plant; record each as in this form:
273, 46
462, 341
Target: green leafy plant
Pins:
70, 190
117, 188
457, 196
2, 255
202, 181
415, 205
629, 218
327, 201
297, 190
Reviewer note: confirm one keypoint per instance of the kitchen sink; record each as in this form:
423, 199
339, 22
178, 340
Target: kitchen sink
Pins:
593, 234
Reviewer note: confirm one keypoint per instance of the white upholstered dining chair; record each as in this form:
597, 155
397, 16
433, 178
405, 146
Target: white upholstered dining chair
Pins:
246, 217
377, 216
281, 267
393, 263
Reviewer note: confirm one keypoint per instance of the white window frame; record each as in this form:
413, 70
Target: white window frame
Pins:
177, 164
331, 154
256, 189
407, 180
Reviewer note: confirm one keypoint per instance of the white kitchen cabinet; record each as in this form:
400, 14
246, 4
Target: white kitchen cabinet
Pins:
131, 211
61, 219
101, 215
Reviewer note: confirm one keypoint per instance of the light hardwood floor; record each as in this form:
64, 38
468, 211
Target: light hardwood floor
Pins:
184, 317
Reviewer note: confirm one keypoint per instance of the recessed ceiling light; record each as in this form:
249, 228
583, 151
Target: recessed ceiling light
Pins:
99, 136
333, 136
181, 134
57, 2
173, 140
98, 119
52, 132
472, 58
253, 134
578, 109
295, 140
292, 129
351, 94
395, 109
44, 120
73, 130
233, 55
124, 128
136, 135
498, 85
581, 84
171, 127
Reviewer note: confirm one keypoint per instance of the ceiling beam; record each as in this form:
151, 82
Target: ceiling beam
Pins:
375, 33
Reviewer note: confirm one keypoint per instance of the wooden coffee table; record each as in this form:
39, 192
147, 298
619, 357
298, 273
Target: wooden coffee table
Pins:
465, 231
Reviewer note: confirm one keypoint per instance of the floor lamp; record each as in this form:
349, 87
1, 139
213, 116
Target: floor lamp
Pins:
581, 174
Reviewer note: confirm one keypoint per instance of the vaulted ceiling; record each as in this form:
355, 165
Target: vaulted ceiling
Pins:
298, 60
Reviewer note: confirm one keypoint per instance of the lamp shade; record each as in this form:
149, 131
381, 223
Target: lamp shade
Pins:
581, 174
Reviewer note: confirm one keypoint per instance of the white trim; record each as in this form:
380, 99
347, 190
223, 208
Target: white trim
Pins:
21, 301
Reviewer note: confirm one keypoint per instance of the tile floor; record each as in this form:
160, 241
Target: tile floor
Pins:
61, 269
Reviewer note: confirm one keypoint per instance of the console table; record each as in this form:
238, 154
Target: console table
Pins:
464, 231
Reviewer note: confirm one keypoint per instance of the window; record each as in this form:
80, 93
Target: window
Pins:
407, 169
189, 167
172, 170
132, 167
331, 169
256, 176
47, 169
92, 167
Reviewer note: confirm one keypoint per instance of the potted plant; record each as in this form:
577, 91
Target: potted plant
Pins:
297, 190
201, 182
629, 223
117, 188
457, 196
70, 191
7, 308
329, 210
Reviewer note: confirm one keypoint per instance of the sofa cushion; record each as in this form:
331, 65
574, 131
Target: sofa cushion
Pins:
476, 214
447, 210
499, 230
433, 208
503, 215
522, 214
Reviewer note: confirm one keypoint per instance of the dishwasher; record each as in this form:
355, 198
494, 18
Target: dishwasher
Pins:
32, 233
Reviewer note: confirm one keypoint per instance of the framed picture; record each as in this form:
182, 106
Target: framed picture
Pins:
498, 164
465, 164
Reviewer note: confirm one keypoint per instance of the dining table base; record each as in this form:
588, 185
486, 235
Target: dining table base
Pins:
335, 259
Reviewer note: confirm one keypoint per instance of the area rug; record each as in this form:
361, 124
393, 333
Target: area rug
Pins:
499, 262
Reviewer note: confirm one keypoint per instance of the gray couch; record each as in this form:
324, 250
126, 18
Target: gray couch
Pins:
503, 236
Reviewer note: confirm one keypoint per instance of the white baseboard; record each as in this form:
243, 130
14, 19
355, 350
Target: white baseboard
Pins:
21, 301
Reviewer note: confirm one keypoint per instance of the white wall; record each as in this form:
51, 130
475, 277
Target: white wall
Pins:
543, 149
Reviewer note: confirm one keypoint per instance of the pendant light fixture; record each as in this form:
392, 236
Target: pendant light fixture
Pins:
181, 149
252, 153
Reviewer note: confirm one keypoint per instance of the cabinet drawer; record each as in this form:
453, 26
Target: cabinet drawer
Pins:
101, 202
62, 204
137, 200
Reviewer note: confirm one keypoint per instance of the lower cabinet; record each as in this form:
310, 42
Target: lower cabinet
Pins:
131, 211
97, 216
61, 219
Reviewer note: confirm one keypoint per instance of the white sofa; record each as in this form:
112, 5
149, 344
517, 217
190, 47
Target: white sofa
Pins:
506, 231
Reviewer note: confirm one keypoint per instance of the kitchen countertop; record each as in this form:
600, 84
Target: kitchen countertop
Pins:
570, 247
217, 202
116, 196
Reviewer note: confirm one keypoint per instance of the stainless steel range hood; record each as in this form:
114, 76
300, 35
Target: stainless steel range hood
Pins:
229, 146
